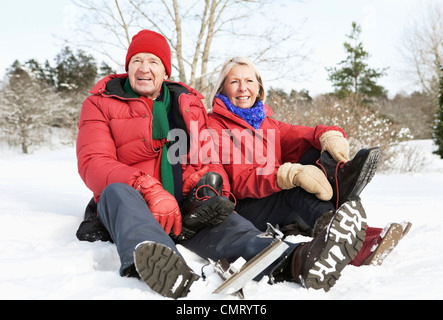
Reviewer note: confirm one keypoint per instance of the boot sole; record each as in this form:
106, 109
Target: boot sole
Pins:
163, 270
211, 213
367, 172
346, 234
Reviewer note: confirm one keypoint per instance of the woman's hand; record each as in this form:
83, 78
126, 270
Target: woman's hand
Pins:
337, 145
308, 177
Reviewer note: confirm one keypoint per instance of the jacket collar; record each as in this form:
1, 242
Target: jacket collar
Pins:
102, 86
113, 85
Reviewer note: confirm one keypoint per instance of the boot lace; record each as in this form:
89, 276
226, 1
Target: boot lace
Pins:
338, 166
204, 198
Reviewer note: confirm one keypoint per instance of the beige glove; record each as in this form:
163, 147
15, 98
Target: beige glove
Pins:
336, 144
308, 177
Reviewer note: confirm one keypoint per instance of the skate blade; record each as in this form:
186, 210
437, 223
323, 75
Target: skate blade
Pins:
252, 268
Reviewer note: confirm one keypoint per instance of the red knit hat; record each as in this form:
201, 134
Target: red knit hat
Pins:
150, 42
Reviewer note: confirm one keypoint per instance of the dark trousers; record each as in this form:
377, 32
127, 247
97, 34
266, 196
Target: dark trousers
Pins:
294, 206
124, 213
126, 216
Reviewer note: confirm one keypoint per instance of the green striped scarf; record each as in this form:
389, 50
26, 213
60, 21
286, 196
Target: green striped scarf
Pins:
160, 130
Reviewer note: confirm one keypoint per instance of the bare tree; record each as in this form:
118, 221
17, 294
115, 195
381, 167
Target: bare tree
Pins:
104, 27
26, 107
422, 47
202, 33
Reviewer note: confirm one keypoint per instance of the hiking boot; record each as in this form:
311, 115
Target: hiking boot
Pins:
318, 264
295, 229
163, 270
204, 206
348, 179
322, 222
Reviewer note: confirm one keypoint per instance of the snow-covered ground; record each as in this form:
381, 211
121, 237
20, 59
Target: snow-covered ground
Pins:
42, 201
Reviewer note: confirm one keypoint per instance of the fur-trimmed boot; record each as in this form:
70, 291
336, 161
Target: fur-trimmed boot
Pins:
379, 243
348, 179
204, 206
319, 263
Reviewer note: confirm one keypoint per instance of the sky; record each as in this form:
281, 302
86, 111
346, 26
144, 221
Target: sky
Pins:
32, 29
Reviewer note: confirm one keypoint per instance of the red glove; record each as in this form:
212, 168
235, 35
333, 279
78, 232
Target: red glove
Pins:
193, 179
162, 204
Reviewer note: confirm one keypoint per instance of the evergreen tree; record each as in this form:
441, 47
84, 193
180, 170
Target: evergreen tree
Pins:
438, 129
106, 70
74, 72
43, 73
74, 75
353, 73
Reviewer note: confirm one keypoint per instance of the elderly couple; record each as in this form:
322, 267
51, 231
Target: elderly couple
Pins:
146, 204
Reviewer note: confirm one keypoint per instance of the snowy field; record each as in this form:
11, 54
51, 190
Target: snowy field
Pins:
42, 201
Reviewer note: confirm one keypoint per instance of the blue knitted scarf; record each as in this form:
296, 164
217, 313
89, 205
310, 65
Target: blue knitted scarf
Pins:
254, 115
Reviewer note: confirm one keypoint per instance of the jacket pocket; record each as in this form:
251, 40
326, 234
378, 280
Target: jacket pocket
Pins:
133, 140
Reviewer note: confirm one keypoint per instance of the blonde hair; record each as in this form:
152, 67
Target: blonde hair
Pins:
218, 87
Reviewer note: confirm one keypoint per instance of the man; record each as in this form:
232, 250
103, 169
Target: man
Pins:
122, 151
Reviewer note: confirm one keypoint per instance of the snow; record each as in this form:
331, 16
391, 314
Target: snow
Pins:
42, 201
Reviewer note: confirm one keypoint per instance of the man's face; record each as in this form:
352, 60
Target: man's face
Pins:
146, 74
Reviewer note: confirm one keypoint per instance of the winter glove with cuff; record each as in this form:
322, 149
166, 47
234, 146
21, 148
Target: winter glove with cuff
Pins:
193, 179
162, 204
308, 177
336, 144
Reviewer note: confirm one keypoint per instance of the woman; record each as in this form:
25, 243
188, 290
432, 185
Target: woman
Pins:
287, 174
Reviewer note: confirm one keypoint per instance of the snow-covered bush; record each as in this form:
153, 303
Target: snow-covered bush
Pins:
365, 127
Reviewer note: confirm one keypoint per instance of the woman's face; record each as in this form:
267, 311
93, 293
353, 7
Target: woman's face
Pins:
241, 86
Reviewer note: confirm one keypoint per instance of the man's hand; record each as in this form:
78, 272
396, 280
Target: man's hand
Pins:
162, 204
